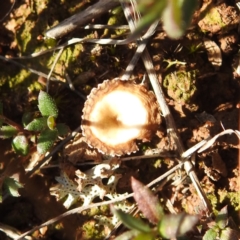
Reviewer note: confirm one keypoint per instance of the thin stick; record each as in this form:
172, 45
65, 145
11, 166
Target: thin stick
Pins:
53, 66
13, 124
41, 74
104, 26
87, 40
2, 19
141, 47
72, 23
71, 86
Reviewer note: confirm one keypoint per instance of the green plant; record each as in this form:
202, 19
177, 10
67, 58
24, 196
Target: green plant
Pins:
164, 225
116, 18
194, 48
176, 15
181, 85
41, 130
221, 228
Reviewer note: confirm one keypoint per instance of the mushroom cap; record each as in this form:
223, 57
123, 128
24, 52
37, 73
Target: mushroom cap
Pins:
117, 113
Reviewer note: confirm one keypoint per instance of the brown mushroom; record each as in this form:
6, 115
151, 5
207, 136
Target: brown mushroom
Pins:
117, 113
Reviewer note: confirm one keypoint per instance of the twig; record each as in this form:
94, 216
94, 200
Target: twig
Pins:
211, 141
13, 124
162, 155
102, 41
113, 27
11, 232
27, 68
53, 66
187, 153
71, 86
2, 19
70, 83
141, 47
104, 26
72, 23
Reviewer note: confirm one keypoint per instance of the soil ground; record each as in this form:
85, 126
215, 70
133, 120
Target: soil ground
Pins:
201, 77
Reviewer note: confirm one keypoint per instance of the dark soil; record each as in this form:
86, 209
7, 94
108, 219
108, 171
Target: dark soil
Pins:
209, 102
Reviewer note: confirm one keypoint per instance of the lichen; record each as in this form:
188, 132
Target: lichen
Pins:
181, 85
88, 185
91, 230
19, 78
213, 17
116, 18
214, 202
232, 197
219, 19
28, 24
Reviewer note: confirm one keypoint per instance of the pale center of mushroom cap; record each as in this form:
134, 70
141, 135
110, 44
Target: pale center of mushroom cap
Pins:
118, 117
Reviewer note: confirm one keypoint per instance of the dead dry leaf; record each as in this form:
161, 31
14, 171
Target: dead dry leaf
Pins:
79, 151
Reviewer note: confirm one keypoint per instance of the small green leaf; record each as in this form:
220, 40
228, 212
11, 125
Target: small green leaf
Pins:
63, 129
151, 11
210, 235
50, 42
37, 124
177, 16
20, 145
46, 140
175, 225
131, 222
27, 118
12, 186
47, 105
222, 218
51, 122
7, 132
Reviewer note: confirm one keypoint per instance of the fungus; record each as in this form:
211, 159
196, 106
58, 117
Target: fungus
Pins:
116, 114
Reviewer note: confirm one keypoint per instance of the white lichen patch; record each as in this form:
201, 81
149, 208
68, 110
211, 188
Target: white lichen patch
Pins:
65, 187
88, 185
